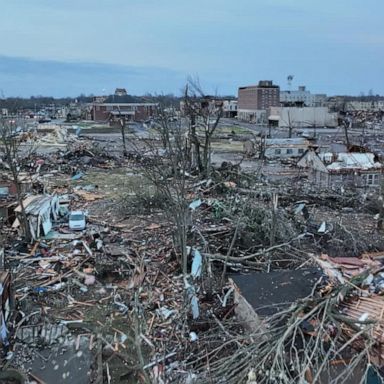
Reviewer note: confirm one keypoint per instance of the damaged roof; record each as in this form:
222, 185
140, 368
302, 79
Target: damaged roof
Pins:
355, 160
34, 204
269, 293
287, 141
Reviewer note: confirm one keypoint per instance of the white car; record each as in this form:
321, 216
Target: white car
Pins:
77, 220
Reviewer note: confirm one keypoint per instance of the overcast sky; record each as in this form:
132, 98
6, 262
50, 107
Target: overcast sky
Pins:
68, 47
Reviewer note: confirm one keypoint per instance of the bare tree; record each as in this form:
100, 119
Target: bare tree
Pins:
14, 158
122, 125
122, 122
168, 167
204, 114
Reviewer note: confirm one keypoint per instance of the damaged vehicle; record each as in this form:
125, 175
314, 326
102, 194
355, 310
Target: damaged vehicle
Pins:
77, 220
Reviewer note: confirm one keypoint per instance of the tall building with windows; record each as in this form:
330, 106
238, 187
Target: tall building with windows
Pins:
302, 97
261, 96
253, 100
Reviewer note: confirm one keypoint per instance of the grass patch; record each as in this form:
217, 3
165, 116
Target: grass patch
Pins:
227, 146
231, 129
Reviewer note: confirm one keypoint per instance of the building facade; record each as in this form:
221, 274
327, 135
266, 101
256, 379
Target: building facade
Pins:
285, 148
259, 117
303, 97
344, 170
230, 108
109, 111
259, 97
302, 117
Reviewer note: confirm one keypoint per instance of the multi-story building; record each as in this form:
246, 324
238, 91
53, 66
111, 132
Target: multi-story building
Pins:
302, 97
261, 96
230, 108
254, 99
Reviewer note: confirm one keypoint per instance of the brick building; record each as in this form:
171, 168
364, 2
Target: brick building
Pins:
261, 96
117, 107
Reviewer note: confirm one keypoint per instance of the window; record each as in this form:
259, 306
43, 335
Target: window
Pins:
300, 150
289, 151
371, 179
277, 151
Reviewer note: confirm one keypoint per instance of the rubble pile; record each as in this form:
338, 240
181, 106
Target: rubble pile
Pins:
56, 136
369, 119
280, 281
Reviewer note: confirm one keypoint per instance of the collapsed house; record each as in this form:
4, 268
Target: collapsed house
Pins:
342, 169
350, 290
6, 301
8, 186
40, 211
8, 194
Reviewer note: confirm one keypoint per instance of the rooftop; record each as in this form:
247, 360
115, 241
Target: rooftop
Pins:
271, 292
354, 160
289, 141
33, 204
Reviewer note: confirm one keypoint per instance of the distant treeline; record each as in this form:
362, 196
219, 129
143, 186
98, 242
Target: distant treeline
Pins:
36, 103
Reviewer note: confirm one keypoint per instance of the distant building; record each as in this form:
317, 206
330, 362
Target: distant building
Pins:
345, 170
210, 102
302, 97
4, 112
255, 98
230, 108
301, 117
286, 147
117, 107
120, 92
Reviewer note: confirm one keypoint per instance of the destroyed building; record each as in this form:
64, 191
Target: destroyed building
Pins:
40, 211
8, 186
8, 194
343, 169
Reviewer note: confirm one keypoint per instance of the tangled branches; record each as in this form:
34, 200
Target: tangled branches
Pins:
310, 342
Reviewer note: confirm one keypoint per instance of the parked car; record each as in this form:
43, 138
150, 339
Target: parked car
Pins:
44, 120
77, 220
